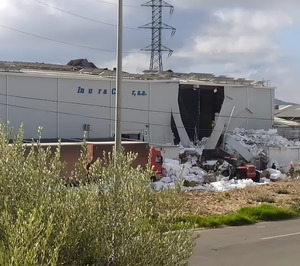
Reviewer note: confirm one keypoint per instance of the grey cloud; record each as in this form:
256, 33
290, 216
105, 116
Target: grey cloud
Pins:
249, 4
197, 22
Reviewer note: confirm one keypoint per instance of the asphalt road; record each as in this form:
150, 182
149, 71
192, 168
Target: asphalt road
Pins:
263, 244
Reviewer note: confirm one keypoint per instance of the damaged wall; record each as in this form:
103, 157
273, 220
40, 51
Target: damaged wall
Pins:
198, 106
153, 111
210, 110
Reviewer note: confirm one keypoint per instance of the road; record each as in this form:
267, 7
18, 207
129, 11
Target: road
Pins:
263, 244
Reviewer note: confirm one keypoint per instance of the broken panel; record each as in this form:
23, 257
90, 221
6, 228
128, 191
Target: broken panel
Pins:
198, 107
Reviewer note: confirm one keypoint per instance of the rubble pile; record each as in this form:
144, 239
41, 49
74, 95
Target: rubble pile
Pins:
193, 177
256, 140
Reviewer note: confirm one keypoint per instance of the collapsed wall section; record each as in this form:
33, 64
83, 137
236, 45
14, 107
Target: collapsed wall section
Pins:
198, 106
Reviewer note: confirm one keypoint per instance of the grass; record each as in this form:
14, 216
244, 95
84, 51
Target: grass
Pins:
283, 191
296, 206
264, 199
227, 195
244, 216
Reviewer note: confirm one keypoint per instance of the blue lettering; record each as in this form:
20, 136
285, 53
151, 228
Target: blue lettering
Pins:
113, 91
80, 90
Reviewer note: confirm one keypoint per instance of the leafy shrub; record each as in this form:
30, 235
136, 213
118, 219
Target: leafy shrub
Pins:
110, 216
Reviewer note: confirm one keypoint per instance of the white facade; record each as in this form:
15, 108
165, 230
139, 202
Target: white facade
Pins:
283, 157
63, 103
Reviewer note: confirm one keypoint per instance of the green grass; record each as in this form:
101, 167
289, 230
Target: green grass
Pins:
282, 191
296, 206
264, 199
244, 216
227, 195
268, 213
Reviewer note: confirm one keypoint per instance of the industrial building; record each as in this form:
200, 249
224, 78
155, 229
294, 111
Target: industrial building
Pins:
164, 108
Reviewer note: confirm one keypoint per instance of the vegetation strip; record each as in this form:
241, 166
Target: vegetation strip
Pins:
244, 216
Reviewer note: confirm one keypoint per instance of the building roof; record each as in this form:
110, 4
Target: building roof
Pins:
83, 63
281, 122
83, 66
288, 111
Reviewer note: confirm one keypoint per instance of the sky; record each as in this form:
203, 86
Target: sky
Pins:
257, 40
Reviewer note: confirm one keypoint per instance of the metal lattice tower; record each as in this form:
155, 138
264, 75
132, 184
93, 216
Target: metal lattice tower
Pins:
156, 48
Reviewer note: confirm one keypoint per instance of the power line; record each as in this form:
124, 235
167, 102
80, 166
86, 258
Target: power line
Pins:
53, 40
63, 42
100, 118
110, 3
124, 108
80, 16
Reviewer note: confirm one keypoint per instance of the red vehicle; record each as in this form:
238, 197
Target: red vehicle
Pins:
156, 162
146, 154
247, 171
240, 170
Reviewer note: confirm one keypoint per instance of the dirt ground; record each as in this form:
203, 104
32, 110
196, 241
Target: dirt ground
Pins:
280, 193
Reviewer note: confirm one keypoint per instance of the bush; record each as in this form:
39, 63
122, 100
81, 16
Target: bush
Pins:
110, 217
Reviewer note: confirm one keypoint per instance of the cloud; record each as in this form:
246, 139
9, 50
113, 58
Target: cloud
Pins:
236, 41
240, 42
237, 32
239, 21
136, 62
233, 37
33, 17
249, 4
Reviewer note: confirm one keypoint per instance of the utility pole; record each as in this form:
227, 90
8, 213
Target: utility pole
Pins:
156, 48
118, 135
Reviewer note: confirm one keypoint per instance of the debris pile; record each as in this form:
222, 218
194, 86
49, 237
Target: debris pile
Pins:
194, 176
256, 140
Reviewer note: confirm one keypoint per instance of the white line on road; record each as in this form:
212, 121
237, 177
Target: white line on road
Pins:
280, 236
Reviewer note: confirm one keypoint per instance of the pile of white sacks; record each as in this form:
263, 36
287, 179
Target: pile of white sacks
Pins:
256, 140
175, 173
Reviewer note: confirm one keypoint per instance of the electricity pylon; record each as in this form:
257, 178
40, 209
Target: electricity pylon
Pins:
156, 48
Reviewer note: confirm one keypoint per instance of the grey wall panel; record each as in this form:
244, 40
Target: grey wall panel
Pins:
162, 97
83, 101
33, 102
3, 107
263, 109
135, 107
253, 107
62, 104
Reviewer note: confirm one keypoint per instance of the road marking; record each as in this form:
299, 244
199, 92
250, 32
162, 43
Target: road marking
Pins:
280, 236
